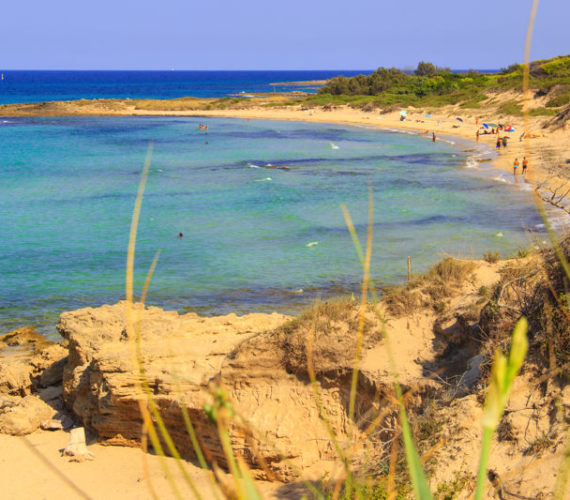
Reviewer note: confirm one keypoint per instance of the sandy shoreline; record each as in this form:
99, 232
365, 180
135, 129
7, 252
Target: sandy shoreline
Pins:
444, 123
546, 149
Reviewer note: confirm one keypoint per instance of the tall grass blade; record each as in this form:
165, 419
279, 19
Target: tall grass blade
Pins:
133, 333
415, 469
312, 377
417, 475
561, 487
363, 302
503, 373
250, 490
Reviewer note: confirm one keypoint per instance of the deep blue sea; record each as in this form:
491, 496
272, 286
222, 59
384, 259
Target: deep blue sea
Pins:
40, 86
255, 238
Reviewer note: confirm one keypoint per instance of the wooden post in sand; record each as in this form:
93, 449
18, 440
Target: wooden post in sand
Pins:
409, 268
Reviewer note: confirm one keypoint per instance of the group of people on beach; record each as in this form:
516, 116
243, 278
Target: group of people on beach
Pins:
502, 142
516, 165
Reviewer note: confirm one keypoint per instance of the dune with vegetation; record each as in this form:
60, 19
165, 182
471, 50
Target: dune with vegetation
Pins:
354, 398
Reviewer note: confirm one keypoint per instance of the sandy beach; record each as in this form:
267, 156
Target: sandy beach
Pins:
546, 148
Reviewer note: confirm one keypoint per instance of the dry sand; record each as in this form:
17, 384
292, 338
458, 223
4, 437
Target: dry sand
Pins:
32, 468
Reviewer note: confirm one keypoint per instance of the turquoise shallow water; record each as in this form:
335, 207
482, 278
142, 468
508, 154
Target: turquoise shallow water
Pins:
255, 238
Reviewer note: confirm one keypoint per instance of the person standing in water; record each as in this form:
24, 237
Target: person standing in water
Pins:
433, 138
524, 165
515, 166
477, 135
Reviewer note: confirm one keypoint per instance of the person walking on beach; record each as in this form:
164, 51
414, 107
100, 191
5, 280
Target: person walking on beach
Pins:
504, 141
515, 166
433, 138
498, 145
477, 135
524, 165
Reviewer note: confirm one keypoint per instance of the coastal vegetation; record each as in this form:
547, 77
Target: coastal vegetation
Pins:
430, 85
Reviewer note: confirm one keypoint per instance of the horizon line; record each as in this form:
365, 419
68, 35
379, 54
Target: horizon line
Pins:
404, 68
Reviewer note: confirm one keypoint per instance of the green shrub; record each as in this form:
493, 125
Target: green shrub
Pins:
512, 108
559, 100
491, 257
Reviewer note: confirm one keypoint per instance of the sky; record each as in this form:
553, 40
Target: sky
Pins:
264, 35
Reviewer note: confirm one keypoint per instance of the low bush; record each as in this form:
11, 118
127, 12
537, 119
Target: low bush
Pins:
491, 257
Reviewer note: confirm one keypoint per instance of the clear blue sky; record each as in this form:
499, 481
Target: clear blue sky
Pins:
295, 34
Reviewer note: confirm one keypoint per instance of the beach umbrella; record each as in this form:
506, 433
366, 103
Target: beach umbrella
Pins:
494, 125
485, 125
459, 119
427, 115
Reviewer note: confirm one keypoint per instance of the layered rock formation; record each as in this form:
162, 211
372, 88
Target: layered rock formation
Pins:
260, 361
30, 368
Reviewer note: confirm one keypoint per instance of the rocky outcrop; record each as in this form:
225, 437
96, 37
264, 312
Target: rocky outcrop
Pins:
30, 366
258, 361
20, 416
29, 362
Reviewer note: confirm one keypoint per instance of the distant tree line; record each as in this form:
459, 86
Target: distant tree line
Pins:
426, 79
431, 85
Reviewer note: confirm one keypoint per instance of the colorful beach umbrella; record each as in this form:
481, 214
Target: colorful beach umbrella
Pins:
485, 125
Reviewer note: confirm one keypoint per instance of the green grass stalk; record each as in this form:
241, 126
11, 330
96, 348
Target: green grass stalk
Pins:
503, 374
417, 475
363, 302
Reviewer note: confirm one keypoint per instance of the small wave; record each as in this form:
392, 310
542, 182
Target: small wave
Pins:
471, 163
334, 146
499, 235
312, 244
251, 165
500, 179
264, 180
